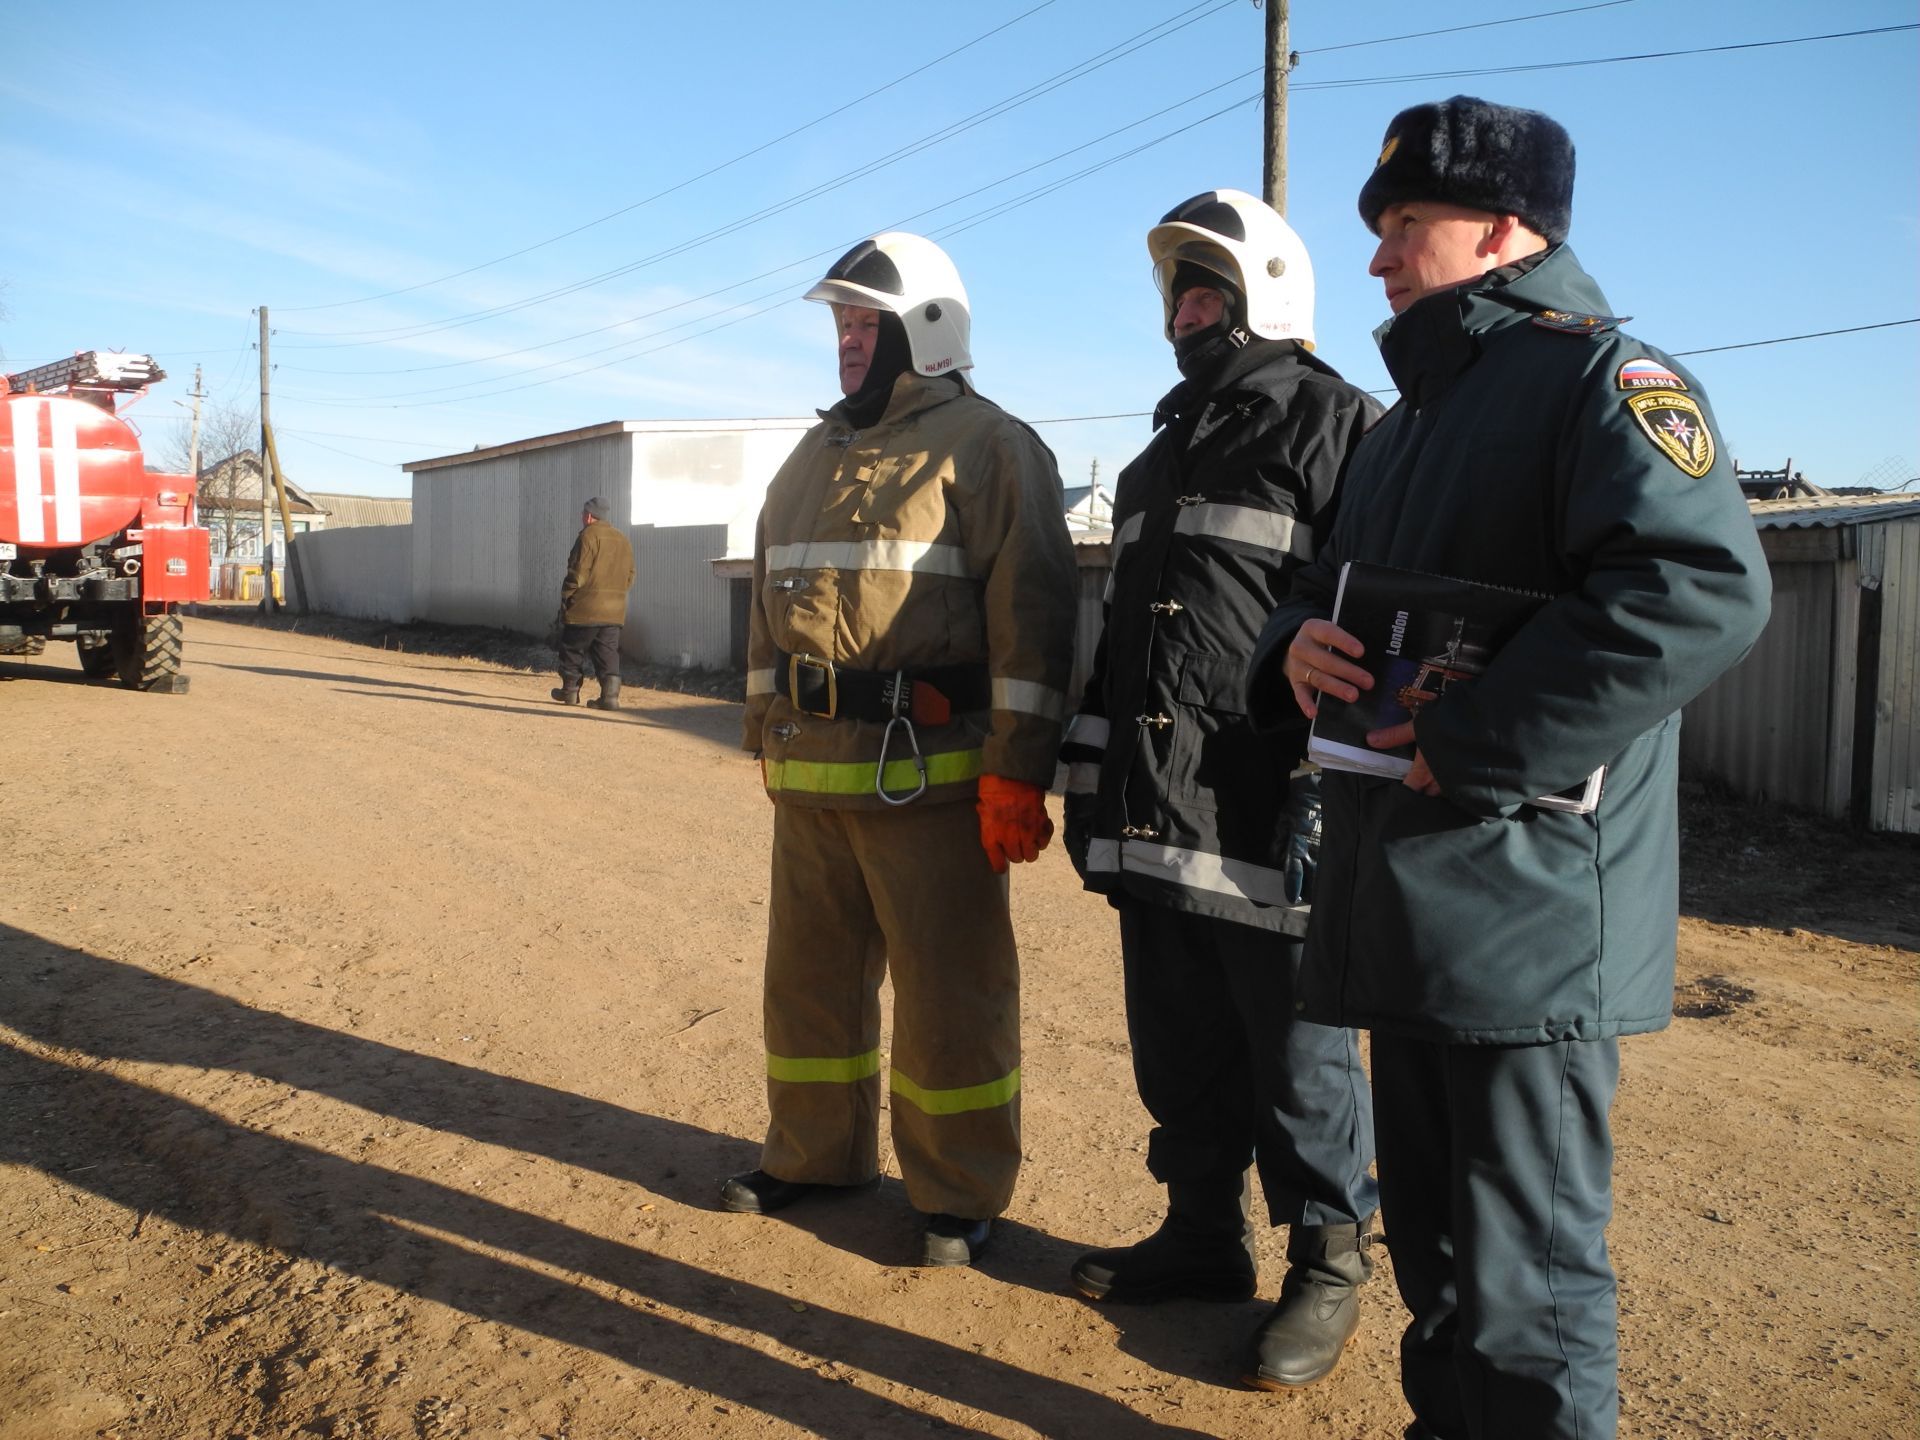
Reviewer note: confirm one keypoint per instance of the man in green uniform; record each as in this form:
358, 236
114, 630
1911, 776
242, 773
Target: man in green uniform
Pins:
1497, 950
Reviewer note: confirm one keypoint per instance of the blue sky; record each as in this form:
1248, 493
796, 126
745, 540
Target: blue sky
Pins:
171, 167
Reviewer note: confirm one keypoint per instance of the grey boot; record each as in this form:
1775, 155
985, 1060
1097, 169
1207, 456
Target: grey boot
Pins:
567, 692
1203, 1250
1319, 1308
609, 693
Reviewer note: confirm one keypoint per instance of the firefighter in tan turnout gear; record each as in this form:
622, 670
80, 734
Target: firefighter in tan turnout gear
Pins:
910, 646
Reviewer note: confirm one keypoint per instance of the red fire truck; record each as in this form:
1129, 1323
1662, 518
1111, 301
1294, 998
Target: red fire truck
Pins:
94, 547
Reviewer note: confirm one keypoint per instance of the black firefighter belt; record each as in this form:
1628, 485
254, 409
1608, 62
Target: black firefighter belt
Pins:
928, 695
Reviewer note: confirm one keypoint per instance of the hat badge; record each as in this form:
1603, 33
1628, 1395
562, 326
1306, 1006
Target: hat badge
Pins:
1386, 151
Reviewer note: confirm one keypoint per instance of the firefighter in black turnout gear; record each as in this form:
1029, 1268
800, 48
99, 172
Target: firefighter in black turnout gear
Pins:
1198, 830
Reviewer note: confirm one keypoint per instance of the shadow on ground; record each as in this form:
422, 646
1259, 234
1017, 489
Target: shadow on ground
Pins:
157, 1154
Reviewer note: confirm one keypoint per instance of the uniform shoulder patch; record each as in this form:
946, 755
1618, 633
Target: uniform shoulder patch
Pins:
1673, 422
1647, 374
1569, 322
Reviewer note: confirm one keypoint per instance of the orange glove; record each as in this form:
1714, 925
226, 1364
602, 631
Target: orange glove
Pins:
1013, 821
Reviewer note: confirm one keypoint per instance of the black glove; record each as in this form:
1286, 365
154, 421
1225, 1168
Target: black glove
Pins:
1076, 828
1303, 837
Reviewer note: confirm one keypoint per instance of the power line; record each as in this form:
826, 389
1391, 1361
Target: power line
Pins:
1603, 60
1042, 191
834, 249
1124, 48
1458, 29
690, 180
1810, 335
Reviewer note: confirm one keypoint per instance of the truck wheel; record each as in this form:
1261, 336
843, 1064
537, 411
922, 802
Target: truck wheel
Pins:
147, 651
30, 645
97, 662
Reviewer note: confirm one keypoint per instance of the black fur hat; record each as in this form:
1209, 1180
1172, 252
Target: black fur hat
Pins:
1474, 153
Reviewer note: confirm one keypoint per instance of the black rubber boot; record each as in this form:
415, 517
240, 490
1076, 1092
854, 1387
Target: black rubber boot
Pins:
567, 692
1203, 1250
1319, 1309
609, 693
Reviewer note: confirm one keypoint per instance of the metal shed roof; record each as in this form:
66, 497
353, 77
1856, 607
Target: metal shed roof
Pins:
1830, 511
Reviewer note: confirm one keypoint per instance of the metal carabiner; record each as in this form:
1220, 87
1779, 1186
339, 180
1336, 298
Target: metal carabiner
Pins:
880, 770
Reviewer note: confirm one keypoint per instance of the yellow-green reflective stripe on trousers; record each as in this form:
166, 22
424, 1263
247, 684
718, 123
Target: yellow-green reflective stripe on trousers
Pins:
855, 777
840, 1071
957, 1102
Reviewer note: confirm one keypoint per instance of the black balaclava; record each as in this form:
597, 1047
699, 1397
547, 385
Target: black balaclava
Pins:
892, 357
1204, 351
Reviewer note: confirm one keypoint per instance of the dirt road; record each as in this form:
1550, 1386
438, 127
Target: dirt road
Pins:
373, 1035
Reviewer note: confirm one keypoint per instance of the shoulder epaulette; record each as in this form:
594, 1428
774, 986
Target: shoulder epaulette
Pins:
1569, 322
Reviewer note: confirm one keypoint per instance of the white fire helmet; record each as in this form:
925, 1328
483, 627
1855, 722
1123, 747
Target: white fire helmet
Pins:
912, 277
1242, 240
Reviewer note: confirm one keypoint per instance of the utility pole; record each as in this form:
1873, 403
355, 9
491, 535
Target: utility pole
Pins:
266, 440
1279, 62
193, 436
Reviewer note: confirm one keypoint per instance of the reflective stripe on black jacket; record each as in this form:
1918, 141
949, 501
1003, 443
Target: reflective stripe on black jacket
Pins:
1209, 522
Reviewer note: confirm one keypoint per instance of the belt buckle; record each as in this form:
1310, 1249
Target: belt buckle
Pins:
825, 667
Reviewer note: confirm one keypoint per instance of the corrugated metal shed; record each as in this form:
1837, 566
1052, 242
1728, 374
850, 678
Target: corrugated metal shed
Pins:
1822, 713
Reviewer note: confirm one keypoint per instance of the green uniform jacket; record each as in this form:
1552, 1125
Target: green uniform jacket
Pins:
1536, 447
599, 574
936, 537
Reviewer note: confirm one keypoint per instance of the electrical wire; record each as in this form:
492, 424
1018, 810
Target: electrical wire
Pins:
898, 80
1040, 192
1602, 60
1100, 61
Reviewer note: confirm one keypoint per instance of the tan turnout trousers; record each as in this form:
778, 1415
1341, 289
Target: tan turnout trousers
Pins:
856, 894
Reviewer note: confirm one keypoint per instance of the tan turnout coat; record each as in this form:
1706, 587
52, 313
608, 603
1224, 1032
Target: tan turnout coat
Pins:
936, 537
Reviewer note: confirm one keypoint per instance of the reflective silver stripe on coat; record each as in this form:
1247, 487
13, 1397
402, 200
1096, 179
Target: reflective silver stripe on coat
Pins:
761, 682
1248, 526
922, 557
1194, 869
1088, 730
1029, 697
1123, 537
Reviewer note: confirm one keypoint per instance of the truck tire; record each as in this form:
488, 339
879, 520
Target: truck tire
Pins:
30, 645
147, 651
97, 661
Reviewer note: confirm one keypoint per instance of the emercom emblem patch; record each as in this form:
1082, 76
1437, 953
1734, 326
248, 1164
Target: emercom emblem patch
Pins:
1675, 425
1647, 375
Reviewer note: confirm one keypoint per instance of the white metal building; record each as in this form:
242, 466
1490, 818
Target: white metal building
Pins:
492, 527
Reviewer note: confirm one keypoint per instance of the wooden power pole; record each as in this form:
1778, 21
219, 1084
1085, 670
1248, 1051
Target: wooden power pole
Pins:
1278, 63
270, 462
266, 516
193, 436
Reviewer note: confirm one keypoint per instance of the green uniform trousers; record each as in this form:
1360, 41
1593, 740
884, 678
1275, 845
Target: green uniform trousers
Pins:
856, 894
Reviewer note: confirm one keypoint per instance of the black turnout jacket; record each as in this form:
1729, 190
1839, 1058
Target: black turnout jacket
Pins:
1210, 521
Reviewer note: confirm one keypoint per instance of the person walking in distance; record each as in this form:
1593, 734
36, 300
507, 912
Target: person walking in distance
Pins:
593, 607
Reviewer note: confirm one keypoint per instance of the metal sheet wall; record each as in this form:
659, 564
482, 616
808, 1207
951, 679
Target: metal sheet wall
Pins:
680, 612
1785, 725
1890, 563
1763, 728
365, 571
491, 537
